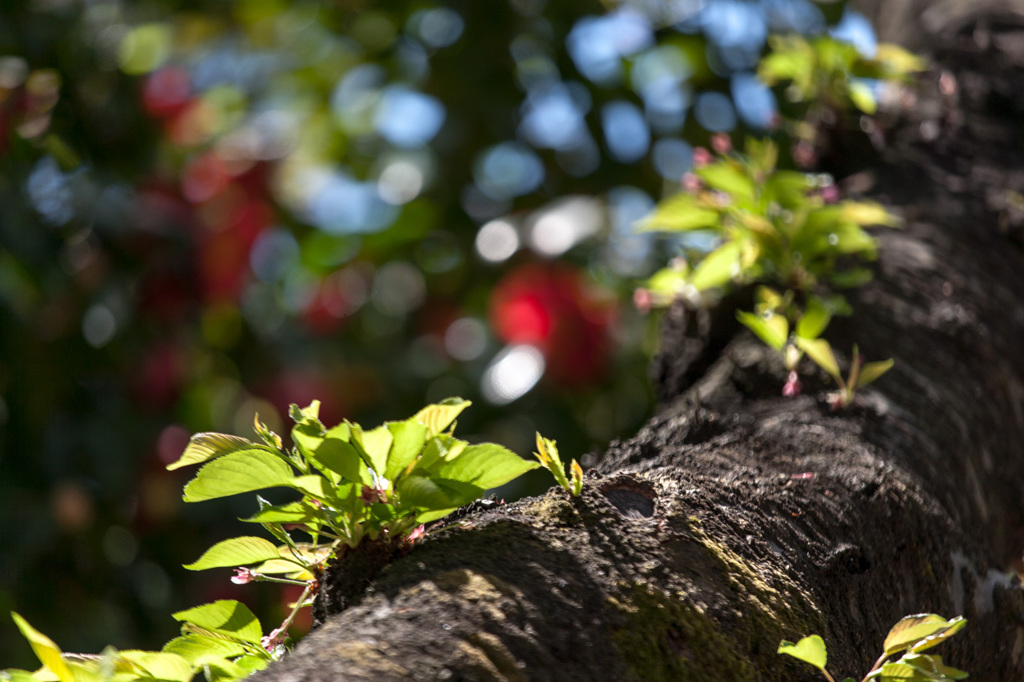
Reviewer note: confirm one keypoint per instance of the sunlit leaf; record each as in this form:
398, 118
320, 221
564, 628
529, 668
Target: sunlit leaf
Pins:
196, 649
252, 663
226, 617
415, 491
898, 60
16, 675
821, 353
46, 651
814, 319
718, 268
335, 453
204, 446
439, 417
409, 437
809, 649
912, 629
223, 670
862, 97
680, 213
486, 466
235, 552
298, 511
872, 370
902, 672
373, 445
727, 178
161, 665
772, 329
867, 213
238, 472
955, 625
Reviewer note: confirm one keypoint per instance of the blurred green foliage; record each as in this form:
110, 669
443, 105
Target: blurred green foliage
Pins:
212, 209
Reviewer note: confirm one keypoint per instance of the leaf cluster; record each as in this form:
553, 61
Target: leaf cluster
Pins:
779, 227
833, 72
356, 485
221, 640
911, 635
547, 455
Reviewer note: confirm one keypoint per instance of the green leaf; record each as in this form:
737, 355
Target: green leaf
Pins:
911, 630
335, 453
680, 213
867, 213
223, 670
197, 649
298, 511
409, 437
486, 466
440, 416
238, 472
789, 188
809, 650
929, 641
718, 268
373, 446
161, 665
235, 552
862, 97
814, 320
306, 415
820, 351
204, 446
226, 617
849, 279
902, 671
48, 653
872, 370
438, 449
420, 492
725, 177
941, 668
899, 61
773, 329
762, 155
315, 486
16, 675
252, 663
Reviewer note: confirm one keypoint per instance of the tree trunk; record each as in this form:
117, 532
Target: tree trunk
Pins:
736, 517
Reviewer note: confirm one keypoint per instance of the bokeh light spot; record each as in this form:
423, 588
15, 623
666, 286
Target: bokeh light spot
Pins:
465, 339
512, 373
497, 241
508, 170
714, 112
625, 131
755, 102
407, 118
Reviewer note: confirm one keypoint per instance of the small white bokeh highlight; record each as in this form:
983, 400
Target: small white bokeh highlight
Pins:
497, 241
512, 373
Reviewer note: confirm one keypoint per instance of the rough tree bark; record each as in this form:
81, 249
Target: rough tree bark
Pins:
737, 518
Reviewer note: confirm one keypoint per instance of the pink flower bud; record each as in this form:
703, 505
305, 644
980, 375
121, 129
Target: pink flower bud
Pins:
792, 387
721, 143
830, 194
701, 157
243, 576
417, 534
274, 639
642, 299
691, 183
